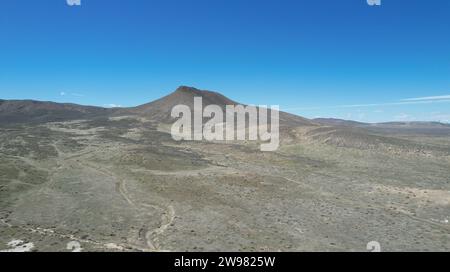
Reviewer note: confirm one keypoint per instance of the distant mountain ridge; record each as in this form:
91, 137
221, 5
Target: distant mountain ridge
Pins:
158, 110
19, 111
415, 127
391, 136
343, 122
335, 121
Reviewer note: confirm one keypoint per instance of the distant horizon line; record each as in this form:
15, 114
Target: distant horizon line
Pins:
281, 110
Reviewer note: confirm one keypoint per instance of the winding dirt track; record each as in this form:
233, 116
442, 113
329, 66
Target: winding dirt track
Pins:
152, 236
168, 212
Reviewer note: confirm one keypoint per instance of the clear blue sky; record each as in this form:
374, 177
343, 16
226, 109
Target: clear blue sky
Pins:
328, 58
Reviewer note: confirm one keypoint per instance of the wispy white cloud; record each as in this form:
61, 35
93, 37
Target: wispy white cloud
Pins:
382, 112
71, 94
402, 102
403, 117
441, 117
361, 116
429, 98
73, 2
112, 106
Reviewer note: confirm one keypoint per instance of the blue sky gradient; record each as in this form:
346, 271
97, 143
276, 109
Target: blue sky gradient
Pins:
315, 58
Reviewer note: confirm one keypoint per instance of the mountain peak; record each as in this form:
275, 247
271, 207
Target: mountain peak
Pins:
185, 94
187, 89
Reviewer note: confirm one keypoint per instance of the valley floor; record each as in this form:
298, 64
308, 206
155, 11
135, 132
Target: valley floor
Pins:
123, 185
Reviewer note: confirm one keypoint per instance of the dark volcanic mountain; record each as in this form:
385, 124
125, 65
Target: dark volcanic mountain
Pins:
160, 109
